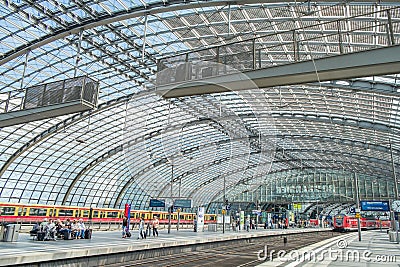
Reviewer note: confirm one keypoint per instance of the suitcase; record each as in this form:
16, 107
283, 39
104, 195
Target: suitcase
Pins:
88, 233
40, 236
67, 235
128, 234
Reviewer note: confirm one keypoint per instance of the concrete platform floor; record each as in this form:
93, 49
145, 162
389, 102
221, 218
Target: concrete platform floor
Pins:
26, 250
373, 250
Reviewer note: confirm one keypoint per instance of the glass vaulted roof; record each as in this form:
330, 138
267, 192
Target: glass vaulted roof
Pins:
136, 145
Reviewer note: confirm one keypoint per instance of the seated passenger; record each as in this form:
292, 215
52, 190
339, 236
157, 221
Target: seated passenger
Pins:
50, 230
74, 229
61, 229
43, 225
67, 229
35, 229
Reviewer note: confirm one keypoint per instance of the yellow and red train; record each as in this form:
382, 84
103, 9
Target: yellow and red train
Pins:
28, 213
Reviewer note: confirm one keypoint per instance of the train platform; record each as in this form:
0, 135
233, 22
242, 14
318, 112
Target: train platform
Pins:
108, 248
374, 249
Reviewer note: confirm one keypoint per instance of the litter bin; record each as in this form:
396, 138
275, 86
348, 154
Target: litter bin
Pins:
212, 227
11, 232
2, 231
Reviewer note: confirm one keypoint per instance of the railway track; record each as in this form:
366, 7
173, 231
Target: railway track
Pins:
241, 255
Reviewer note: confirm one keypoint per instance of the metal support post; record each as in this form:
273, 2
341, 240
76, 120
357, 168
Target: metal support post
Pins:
391, 39
223, 213
144, 37
170, 210
78, 53
340, 37
396, 194
24, 71
358, 206
254, 54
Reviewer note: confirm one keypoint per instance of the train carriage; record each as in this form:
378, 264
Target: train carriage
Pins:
344, 223
30, 213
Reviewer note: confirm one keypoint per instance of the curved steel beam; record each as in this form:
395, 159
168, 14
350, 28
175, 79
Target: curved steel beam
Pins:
61, 125
118, 149
149, 9
361, 123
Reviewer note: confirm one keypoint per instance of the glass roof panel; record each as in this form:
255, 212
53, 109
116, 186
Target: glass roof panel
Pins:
338, 125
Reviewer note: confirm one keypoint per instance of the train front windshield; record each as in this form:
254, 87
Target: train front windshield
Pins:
339, 220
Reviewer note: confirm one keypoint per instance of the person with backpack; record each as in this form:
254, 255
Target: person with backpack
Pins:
125, 228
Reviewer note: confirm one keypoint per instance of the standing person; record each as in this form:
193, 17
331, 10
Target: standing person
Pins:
81, 227
155, 224
247, 224
141, 229
124, 227
148, 229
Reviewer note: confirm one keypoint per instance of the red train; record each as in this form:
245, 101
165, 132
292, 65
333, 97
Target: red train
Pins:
346, 223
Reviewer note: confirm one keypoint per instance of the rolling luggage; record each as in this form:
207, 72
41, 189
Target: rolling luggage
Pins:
88, 233
67, 235
40, 236
128, 234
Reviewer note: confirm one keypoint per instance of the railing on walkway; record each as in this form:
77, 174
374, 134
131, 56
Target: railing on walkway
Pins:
283, 47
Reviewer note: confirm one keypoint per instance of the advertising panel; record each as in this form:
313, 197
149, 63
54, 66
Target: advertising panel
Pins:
200, 219
241, 219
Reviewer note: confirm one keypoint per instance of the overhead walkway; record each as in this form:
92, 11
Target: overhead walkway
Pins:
108, 248
189, 78
374, 249
48, 100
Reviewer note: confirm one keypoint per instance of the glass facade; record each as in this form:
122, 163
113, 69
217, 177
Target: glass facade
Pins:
287, 143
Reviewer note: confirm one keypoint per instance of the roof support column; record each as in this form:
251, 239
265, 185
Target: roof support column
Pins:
396, 192
254, 54
389, 28
78, 53
144, 37
340, 37
25, 66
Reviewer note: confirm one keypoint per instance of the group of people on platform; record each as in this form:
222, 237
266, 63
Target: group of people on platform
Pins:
144, 229
250, 223
51, 229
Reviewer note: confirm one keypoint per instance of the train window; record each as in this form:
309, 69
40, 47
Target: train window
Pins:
85, 213
95, 214
112, 214
69, 213
22, 211
38, 212
8, 211
52, 212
